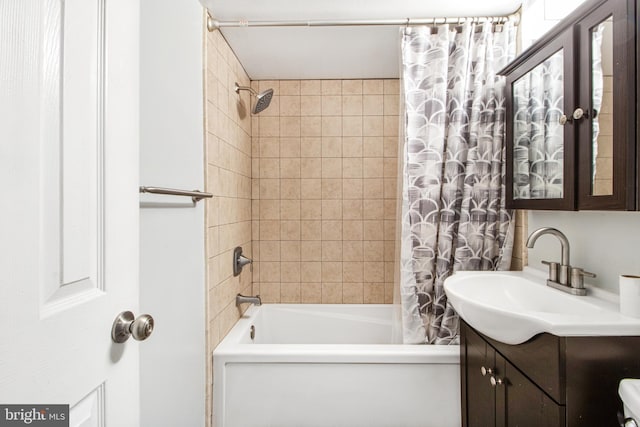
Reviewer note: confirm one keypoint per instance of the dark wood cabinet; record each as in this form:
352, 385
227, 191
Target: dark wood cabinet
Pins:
548, 381
572, 115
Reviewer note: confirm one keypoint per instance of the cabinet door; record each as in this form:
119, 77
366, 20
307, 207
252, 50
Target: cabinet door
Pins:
480, 396
606, 152
520, 403
540, 132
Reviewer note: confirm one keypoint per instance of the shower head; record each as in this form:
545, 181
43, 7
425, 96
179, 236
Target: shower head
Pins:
263, 99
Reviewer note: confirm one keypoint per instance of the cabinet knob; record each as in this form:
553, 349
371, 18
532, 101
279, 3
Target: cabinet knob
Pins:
495, 381
563, 120
578, 113
484, 371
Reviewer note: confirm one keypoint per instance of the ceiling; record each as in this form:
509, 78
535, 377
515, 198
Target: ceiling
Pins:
332, 52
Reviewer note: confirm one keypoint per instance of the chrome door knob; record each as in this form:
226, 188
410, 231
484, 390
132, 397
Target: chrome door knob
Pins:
142, 327
495, 381
484, 371
578, 113
126, 325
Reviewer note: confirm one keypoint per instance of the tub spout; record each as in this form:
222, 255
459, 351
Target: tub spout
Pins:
241, 299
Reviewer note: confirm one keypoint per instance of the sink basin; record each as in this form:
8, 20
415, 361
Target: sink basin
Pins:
513, 307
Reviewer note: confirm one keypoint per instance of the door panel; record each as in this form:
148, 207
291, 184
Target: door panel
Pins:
525, 404
480, 396
69, 234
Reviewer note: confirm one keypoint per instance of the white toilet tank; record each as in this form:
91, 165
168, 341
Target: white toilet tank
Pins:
629, 392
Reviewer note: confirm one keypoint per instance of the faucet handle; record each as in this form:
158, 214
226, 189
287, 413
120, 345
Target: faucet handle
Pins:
553, 270
577, 277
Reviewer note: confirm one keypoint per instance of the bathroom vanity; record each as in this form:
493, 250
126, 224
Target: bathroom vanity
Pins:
546, 381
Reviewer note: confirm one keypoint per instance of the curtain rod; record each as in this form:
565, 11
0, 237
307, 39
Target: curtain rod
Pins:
214, 24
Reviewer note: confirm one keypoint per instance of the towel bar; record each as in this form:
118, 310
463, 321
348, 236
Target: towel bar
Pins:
195, 195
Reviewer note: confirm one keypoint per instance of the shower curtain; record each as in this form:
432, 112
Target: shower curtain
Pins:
453, 215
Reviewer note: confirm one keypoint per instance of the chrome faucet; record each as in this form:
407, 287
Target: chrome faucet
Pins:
241, 299
561, 276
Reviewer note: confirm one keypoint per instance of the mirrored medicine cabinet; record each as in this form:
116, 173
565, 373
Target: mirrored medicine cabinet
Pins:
571, 114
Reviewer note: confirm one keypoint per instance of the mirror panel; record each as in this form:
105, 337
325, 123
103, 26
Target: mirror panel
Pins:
602, 108
538, 135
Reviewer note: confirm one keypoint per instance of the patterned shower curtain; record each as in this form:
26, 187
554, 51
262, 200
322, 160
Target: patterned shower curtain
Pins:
453, 212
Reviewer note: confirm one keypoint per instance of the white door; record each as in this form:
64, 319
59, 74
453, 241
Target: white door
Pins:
69, 206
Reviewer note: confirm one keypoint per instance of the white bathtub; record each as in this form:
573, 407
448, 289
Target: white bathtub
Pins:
331, 365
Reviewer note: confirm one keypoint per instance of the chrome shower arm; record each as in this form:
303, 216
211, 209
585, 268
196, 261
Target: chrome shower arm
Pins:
238, 88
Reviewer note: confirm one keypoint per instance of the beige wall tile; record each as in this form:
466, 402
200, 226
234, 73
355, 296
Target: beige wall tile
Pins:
290, 230
332, 126
332, 146
290, 189
289, 87
352, 126
370, 87
353, 230
331, 293
311, 147
352, 167
311, 271
353, 188
352, 146
290, 293
289, 168
269, 251
331, 105
311, 293
352, 105
290, 272
290, 209
311, 105
331, 250
331, 209
373, 125
311, 167
310, 87
331, 167
310, 250
352, 87
290, 250
373, 105
311, 230
352, 209
310, 209
290, 147
331, 230
374, 293
352, 251
310, 126
352, 293
331, 87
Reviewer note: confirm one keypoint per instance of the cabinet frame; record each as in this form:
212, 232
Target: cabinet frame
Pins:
624, 109
626, 185
563, 41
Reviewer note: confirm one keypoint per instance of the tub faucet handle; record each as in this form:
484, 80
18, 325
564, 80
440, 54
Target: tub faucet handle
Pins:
239, 261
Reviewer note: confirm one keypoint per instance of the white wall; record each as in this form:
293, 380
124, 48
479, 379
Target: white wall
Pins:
172, 260
539, 16
605, 243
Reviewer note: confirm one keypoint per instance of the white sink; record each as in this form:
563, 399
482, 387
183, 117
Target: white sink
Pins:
513, 307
